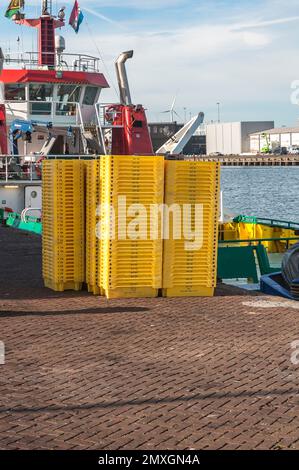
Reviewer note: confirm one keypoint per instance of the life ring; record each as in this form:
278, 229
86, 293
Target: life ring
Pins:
110, 113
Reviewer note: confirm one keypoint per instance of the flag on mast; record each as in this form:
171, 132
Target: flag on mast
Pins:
76, 17
14, 7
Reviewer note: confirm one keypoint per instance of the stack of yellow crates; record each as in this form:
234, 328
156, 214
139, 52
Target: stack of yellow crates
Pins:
93, 197
192, 272
63, 224
125, 253
130, 266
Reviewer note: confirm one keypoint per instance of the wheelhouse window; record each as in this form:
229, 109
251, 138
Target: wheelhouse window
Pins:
15, 92
90, 95
41, 108
68, 94
67, 97
40, 92
41, 97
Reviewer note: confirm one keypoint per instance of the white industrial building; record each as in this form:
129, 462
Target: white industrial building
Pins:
233, 138
275, 138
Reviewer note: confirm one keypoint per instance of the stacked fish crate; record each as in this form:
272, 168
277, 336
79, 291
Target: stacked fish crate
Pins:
63, 224
131, 261
190, 259
131, 201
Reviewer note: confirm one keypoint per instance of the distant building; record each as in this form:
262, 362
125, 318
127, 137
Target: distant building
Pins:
162, 132
233, 138
197, 145
275, 138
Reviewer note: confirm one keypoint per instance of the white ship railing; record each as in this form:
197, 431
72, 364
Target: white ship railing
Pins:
25, 213
23, 169
64, 62
18, 169
107, 113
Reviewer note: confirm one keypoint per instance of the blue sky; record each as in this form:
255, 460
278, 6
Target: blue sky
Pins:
243, 54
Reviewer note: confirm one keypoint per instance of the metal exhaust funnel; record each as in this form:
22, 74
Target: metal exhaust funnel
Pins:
122, 78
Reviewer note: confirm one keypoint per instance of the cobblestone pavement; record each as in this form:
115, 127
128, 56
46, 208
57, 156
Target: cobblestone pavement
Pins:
85, 373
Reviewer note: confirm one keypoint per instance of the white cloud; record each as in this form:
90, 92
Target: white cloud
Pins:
262, 24
194, 60
255, 39
247, 68
103, 17
136, 4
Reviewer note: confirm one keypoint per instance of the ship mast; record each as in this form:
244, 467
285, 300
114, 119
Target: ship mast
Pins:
46, 25
46, 37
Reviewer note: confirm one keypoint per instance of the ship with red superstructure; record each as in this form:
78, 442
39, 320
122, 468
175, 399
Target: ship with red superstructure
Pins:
50, 105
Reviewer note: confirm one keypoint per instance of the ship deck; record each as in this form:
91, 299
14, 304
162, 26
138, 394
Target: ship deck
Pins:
82, 372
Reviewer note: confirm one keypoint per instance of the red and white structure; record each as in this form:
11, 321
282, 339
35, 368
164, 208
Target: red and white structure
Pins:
52, 86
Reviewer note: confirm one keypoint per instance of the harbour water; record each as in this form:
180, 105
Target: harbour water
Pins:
271, 192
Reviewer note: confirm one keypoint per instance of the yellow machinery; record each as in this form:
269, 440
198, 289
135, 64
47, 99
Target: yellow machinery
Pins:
231, 231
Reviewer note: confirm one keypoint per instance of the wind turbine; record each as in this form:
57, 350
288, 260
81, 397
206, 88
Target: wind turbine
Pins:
172, 111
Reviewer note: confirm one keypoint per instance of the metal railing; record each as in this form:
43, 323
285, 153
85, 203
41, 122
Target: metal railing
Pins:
276, 223
107, 113
259, 241
49, 110
79, 62
18, 169
71, 157
29, 218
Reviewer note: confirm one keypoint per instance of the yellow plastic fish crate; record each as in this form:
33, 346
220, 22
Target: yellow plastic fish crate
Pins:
192, 291
131, 293
131, 267
192, 272
63, 224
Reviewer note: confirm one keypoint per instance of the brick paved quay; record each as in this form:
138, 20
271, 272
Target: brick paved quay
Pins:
85, 373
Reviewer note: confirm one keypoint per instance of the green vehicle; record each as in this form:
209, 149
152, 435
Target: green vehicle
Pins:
267, 148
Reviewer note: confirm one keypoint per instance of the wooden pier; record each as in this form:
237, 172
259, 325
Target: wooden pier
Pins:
250, 160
